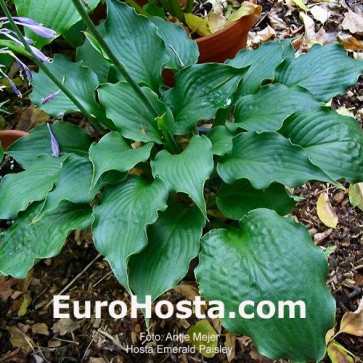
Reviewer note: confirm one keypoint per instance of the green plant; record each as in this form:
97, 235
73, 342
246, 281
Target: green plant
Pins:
271, 129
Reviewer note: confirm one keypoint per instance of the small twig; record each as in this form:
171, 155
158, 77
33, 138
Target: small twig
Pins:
76, 278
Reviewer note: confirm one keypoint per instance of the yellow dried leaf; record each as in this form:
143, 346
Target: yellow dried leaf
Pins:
352, 322
325, 211
230, 344
197, 24
300, 4
338, 353
27, 299
204, 338
349, 42
40, 328
356, 195
329, 335
344, 111
246, 9
19, 339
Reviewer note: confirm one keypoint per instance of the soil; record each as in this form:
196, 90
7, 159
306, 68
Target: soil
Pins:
33, 335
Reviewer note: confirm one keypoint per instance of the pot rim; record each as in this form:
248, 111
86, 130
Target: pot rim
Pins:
229, 28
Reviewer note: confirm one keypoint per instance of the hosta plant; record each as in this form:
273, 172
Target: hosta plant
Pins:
158, 188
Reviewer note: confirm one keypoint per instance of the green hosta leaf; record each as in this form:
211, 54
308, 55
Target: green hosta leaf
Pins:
200, 90
136, 121
236, 200
25, 242
266, 158
262, 112
261, 64
173, 241
269, 258
119, 229
182, 50
332, 141
221, 139
73, 184
113, 153
324, 71
188, 171
17, 191
58, 15
134, 41
93, 60
81, 81
71, 139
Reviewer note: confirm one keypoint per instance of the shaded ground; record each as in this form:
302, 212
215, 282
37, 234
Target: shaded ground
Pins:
28, 332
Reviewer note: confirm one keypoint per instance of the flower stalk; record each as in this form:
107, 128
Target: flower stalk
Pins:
47, 72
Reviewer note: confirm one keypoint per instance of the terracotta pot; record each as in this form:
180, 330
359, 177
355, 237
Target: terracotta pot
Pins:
225, 43
7, 137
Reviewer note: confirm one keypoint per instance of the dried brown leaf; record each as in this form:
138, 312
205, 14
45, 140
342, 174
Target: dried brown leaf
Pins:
19, 339
5, 288
352, 322
230, 344
349, 42
64, 326
325, 211
264, 35
320, 13
353, 22
40, 328
338, 354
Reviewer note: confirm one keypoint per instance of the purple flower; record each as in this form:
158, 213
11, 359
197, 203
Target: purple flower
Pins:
53, 142
34, 26
49, 97
12, 84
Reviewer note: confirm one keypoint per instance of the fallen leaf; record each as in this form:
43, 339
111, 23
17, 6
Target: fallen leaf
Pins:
349, 42
264, 35
64, 326
197, 24
27, 299
344, 111
5, 288
325, 211
187, 289
320, 13
356, 195
300, 4
19, 339
204, 338
338, 354
329, 335
276, 22
352, 322
319, 237
247, 8
230, 344
311, 36
40, 328
353, 22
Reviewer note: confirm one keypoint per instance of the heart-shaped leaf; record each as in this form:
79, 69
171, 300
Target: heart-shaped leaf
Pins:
270, 259
135, 43
260, 111
137, 120
71, 139
119, 228
113, 153
323, 71
73, 184
236, 200
81, 81
24, 243
18, 190
200, 90
182, 50
58, 15
332, 141
173, 240
266, 158
188, 171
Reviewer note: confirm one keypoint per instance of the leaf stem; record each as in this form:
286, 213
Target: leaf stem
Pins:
137, 7
44, 68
